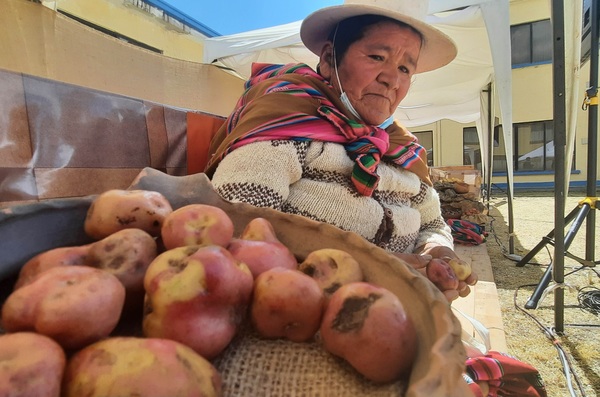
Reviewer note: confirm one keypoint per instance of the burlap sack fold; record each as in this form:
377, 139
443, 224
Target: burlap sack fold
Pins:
251, 366
441, 356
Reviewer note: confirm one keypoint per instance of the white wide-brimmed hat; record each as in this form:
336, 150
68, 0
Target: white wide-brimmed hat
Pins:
437, 49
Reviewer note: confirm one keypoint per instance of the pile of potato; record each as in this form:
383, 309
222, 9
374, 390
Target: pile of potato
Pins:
193, 285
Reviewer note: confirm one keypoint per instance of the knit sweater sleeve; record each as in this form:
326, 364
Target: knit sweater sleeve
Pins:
433, 227
260, 173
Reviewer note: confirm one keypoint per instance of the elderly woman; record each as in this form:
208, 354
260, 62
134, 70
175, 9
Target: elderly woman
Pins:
323, 144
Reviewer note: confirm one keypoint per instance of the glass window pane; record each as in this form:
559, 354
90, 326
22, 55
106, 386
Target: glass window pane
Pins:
541, 34
470, 136
530, 146
549, 160
471, 149
520, 41
537, 133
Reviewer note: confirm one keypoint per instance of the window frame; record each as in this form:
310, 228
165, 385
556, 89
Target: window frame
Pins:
531, 45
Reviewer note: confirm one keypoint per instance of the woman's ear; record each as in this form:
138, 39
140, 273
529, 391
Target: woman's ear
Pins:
326, 61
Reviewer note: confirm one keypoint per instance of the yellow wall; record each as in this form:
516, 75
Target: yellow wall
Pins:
532, 86
40, 42
532, 100
532, 93
522, 11
124, 17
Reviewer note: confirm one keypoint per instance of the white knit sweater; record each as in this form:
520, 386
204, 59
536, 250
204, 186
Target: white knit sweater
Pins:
313, 179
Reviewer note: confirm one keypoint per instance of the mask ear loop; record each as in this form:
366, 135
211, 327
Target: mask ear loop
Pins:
335, 59
343, 96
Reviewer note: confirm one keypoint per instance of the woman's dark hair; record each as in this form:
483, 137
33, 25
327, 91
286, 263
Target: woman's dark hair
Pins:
353, 29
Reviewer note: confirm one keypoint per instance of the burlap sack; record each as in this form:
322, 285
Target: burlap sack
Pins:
251, 366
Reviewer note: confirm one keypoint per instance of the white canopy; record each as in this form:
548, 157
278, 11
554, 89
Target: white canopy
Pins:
453, 92
460, 91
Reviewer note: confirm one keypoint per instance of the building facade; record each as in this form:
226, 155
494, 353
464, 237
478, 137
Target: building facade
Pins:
454, 144
155, 26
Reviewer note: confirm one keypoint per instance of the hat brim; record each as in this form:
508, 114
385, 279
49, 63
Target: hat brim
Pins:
437, 49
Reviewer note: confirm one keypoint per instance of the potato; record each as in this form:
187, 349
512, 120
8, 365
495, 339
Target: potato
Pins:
119, 209
261, 256
197, 224
126, 254
259, 229
31, 365
367, 326
74, 305
63, 256
260, 249
287, 304
461, 268
196, 295
441, 274
128, 366
331, 268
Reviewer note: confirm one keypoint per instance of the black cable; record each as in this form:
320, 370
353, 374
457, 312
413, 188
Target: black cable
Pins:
564, 358
589, 299
588, 296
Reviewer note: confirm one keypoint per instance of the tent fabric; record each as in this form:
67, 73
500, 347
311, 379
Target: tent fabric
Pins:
448, 93
573, 33
497, 21
453, 92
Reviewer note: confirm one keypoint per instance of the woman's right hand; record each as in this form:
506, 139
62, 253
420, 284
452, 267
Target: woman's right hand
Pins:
438, 272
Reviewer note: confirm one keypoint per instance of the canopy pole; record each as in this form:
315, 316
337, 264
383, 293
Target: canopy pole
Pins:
592, 94
559, 116
490, 145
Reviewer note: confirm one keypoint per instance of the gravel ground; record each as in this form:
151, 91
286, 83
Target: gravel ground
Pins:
530, 333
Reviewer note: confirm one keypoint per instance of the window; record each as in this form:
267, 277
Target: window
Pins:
531, 43
472, 151
426, 140
534, 146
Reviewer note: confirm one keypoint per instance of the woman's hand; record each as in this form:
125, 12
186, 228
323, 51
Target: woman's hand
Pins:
433, 263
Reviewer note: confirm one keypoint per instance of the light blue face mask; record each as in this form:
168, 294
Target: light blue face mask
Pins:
389, 121
346, 101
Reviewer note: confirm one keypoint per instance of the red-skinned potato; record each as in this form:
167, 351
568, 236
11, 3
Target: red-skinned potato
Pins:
126, 254
197, 224
261, 256
441, 274
62, 256
259, 229
461, 268
197, 295
287, 304
260, 249
74, 305
128, 366
367, 326
30, 365
331, 268
119, 209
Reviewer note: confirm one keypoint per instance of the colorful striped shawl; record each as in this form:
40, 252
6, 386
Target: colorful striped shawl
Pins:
294, 102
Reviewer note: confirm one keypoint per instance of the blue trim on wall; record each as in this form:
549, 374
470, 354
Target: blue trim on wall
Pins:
544, 186
518, 173
183, 18
526, 65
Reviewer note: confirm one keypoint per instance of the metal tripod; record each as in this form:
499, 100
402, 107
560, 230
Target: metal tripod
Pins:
578, 216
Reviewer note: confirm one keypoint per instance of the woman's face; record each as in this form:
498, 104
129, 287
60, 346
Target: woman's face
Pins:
376, 70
